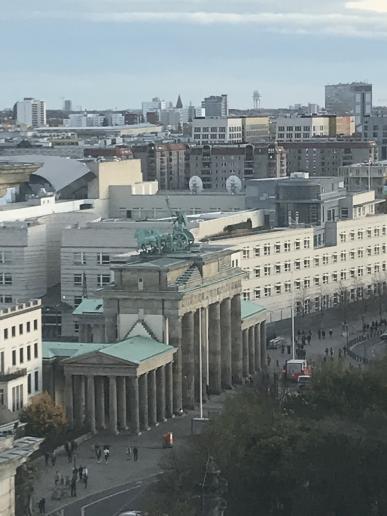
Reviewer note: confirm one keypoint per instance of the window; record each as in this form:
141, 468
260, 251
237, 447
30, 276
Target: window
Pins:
267, 270
352, 254
325, 279
297, 284
306, 282
316, 261
77, 300
103, 279
257, 271
343, 275
267, 291
343, 237
28, 326
369, 251
287, 247
334, 258
78, 280
369, 232
36, 350
352, 235
334, 276
2, 398
316, 280
5, 257
297, 265
278, 288
277, 248
29, 388
343, 256
297, 245
360, 234
5, 278
21, 355
246, 253
257, 251
288, 286
287, 267
28, 353
5, 333
376, 232
17, 398
246, 295
360, 271
36, 380
76, 327
352, 272
377, 249
14, 357
21, 328
360, 253
266, 249
306, 263
257, 293
325, 259
277, 268
13, 331
35, 324
306, 243
79, 258
103, 259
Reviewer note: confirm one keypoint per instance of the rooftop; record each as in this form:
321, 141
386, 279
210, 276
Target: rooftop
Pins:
89, 306
248, 309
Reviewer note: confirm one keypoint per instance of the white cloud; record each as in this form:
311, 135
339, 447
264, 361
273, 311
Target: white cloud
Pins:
378, 6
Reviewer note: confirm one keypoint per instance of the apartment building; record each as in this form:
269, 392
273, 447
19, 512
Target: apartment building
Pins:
215, 163
300, 128
324, 157
366, 176
316, 267
165, 163
20, 354
31, 112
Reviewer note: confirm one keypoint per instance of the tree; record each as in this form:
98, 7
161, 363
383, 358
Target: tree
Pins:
44, 418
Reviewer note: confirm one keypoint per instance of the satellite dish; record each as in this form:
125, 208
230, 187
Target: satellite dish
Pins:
196, 184
233, 184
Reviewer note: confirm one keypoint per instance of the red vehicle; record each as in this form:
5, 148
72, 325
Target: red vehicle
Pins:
295, 368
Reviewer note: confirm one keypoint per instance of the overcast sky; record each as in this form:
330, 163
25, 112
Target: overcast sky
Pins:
115, 53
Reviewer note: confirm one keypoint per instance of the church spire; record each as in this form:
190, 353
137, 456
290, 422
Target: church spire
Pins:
179, 103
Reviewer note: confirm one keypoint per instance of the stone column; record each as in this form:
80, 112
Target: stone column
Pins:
143, 401
197, 324
263, 344
113, 404
252, 349
160, 378
245, 353
214, 349
204, 315
152, 398
236, 339
225, 332
169, 390
134, 405
82, 398
175, 340
91, 404
188, 361
257, 347
121, 401
110, 328
100, 402
68, 397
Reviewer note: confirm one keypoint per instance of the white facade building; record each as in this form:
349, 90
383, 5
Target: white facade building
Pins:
217, 130
364, 176
31, 113
20, 354
298, 129
321, 267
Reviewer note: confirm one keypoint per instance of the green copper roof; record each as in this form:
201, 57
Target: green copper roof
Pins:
89, 306
134, 349
248, 308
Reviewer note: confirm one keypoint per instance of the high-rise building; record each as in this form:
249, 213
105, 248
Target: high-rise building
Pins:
349, 99
31, 112
67, 106
216, 105
375, 128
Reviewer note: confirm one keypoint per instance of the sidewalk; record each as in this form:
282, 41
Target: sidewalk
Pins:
119, 470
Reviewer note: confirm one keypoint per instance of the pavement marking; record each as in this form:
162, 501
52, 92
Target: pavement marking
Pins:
85, 507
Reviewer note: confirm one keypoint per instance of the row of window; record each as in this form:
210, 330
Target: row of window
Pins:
102, 280
24, 357
81, 259
317, 261
21, 328
361, 233
301, 285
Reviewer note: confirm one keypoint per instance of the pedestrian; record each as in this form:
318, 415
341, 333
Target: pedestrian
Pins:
323, 334
99, 454
85, 476
68, 451
73, 487
330, 332
96, 450
135, 454
129, 452
309, 338
80, 472
289, 349
268, 362
276, 364
340, 353
42, 506
106, 453
57, 478
46, 457
53, 458
326, 351
282, 349
331, 352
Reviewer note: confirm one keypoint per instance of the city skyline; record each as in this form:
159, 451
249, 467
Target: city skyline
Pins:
116, 54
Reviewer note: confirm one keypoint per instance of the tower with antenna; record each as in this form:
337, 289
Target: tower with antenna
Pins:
257, 99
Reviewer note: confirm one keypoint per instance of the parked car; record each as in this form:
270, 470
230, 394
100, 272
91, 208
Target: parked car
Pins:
276, 343
383, 336
131, 513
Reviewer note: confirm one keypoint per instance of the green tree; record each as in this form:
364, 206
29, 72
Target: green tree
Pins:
44, 418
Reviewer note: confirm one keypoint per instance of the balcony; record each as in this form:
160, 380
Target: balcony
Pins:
12, 375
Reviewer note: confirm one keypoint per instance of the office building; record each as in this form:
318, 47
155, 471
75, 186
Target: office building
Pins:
255, 129
301, 128
67, 106
323, 157
31, 112
217, 130
375, 128
20, 354
215, 163
350, 99
366, 176
216, 105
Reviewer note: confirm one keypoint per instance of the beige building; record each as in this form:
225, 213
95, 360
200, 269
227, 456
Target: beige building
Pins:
20, 354
217, 130
300, 128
